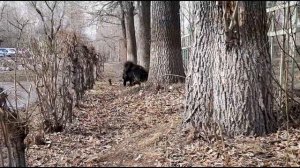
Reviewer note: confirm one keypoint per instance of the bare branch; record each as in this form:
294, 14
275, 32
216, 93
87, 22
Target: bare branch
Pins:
2, 11
55, 3
106, 21
53, 8
234, 15
61, 18
34, 5
224, 16
48, 5
105, 14
20, 25
107, 11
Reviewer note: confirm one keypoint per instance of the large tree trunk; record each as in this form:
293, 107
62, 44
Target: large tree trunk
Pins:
143, 34
165, 56
18, 134
130, 32
199, 83
123, 45
14, 132
229, 78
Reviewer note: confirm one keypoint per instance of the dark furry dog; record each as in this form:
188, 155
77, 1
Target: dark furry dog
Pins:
133, 73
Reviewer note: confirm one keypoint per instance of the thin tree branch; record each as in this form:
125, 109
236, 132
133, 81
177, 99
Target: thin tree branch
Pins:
60, 20
34, 5
234, 15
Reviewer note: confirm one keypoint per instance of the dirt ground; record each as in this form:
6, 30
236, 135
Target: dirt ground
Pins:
138, 126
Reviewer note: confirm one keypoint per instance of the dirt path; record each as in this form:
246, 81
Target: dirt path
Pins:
115, 127
113, 71
137, 126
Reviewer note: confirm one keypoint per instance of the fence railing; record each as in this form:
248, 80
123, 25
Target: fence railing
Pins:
186, 49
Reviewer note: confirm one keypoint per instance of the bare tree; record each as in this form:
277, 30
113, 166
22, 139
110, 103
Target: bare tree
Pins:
14, 118
143, 33
51, 26
10, 18
229, 79
75, 18
166, 61
109, 16
128, 8
50, 65
124, 40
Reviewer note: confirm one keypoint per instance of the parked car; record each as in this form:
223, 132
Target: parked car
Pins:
11, 52
3, 52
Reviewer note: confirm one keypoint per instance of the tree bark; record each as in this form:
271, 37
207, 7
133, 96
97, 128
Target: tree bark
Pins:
130, 32
143, 34
165, 56
123, 46
229, 77
14, 132
18, 135
199, 82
